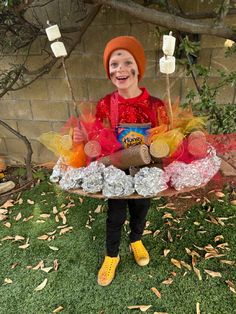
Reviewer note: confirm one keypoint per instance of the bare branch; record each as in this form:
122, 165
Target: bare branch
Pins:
28, 146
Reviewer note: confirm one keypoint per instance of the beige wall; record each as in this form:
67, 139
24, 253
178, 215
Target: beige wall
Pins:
46, 104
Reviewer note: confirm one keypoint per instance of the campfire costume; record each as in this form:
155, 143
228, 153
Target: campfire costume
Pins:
116, 109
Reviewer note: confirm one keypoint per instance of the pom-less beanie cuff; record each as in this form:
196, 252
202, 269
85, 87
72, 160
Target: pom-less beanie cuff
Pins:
130, 44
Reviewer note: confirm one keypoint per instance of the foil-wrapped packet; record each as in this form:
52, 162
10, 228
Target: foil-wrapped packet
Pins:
93, 177
72, 178
196, 173
150, 181
117, 183
58, 171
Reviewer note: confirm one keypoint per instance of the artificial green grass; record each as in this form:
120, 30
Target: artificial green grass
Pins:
74, 285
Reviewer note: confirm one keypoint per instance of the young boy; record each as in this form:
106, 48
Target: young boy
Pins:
124, 62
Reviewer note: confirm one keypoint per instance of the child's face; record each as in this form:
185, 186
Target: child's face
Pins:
123, 69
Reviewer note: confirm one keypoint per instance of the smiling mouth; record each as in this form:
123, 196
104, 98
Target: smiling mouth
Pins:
122, 78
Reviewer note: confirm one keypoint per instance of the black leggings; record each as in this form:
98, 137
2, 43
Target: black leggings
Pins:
116, 217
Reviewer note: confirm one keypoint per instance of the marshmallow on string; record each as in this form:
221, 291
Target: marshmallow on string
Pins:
58, 47
70, 144
167, 66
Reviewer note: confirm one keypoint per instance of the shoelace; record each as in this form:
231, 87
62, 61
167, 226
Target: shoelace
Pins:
108, 265
140, 251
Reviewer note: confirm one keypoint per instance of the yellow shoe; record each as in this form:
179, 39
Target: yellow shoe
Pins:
141, 255
107, 272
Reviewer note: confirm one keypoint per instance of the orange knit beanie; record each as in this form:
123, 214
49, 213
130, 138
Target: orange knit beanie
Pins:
130, 44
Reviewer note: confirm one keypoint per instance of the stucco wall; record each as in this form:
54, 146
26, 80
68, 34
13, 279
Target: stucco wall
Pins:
46, 104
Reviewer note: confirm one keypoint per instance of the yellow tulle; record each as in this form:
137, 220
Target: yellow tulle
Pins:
62, 145
173, 138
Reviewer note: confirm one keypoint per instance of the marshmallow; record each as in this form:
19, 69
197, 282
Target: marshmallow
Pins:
167, 64
168, 46
53, 32
58, 49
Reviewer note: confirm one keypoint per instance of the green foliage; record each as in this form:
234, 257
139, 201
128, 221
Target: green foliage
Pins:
189, 47
40, 174
20, 172
221, 118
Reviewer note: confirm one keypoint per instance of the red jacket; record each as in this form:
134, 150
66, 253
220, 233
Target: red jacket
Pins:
141, 109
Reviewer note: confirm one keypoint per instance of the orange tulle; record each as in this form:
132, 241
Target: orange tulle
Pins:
77, 157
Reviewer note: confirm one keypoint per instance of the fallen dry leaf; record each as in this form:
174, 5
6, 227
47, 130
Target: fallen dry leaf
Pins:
52, 232
58, 309
218, 238
54, 210
39, 265
54, 248
167, 215
28, 218
230, 283
56, 218
29, 201
44, 215
42, 285
160, 313
62, 227
3, 217
142, 308
212, 273
157, 293
187, 266
168, 281
233, 202
219, 194
7, 238
14, 265
210, 248
18, 217
3, 211
24, 246
176, 262
7, 281
166, 252
63, 217
7, 204
146, 232
43, 237
169, 236
198, 308
156, 232
20, 201
98, 209
55, 264
223, 246
213, 255
46, 269
232, 290
19, 238
65, 230
40, 221
224, 261
7, 224
197, 272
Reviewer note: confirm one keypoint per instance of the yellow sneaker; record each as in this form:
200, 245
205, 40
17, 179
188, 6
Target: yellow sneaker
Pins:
141, 255
107, 272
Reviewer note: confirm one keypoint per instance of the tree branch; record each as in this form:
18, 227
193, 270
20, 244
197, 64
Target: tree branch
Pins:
28, 146
168, 20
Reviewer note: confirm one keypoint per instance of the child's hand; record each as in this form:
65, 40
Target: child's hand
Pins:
77, 135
